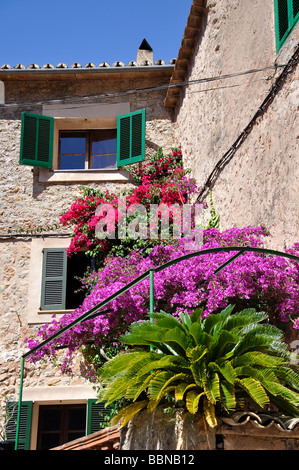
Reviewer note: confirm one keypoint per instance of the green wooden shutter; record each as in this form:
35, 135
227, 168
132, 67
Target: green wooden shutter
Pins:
286, 16
96, 413
131, 138
36, 148
54, 279
25, 423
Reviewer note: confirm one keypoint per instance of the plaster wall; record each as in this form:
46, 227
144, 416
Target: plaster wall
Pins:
260, 184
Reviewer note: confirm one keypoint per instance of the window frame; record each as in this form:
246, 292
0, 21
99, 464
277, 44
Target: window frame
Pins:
135, 135
89, 133
292, 20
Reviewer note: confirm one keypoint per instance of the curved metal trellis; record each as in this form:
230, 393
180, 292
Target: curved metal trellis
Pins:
96, 310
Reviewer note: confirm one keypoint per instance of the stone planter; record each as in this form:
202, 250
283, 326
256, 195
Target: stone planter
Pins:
181, 431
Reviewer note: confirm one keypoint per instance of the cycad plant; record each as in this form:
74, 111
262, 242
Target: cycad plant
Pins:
214, 366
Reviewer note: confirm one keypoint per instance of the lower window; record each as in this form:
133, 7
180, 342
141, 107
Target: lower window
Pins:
59, 424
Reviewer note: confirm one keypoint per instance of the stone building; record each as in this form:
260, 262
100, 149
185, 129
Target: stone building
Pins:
233, 108
237, 112
60, 107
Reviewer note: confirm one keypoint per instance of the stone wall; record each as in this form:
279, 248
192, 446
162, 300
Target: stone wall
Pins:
260, 184
27, 202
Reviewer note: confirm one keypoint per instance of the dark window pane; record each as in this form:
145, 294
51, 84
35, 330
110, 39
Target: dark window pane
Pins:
77, 419
71, 162
48, 441
103, 161
51, 420
76, 268
72, 143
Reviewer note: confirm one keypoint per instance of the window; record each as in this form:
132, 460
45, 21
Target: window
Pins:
92, 149
57, 424
83, 149
286, 16
59, 279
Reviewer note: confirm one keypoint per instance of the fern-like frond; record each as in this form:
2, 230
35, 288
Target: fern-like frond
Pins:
254, 390
228, 396
226, 370
257, 358
127, 413
209, 413
192, 401
182, 388
211, 387
197, 353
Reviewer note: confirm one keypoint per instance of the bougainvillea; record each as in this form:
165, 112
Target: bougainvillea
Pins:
162, 180
270, 283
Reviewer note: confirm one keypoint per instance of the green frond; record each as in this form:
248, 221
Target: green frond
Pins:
254, 341
257, 358
199, 336
192, 401
162, 380
120, 363
228, 396
216, 319
143, 334
167, 321
211, 387
225, 342
209, 413
135, 389
127, 413
226, 370
181, 389
243, 319
196, 316
287, 376
198, 372
197, 353
254, 390
177, 340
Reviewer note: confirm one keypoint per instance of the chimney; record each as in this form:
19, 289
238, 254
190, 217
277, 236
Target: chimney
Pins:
145, 55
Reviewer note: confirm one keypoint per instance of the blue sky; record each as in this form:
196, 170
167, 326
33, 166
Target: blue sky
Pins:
54, 31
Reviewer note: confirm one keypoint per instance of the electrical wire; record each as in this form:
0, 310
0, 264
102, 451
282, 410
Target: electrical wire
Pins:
227, 157
167, 86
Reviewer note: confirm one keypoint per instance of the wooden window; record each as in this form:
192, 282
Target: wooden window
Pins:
92, 149
286, 16
59, 280
81, 150
59, 424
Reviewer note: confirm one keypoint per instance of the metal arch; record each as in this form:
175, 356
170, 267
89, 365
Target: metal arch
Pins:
149, 273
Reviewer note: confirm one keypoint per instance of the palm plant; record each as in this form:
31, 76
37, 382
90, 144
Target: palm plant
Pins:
216, 365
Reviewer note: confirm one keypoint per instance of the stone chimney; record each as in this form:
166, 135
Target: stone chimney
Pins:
145, 55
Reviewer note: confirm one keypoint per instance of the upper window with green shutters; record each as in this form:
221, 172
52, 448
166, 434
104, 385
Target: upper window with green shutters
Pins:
82, 144
286, 17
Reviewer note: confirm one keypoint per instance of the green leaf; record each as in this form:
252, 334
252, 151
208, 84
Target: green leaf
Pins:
228, 397
127, 413
181, 389
226, 369
209, 413
255, 390
192, 401
197, 353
